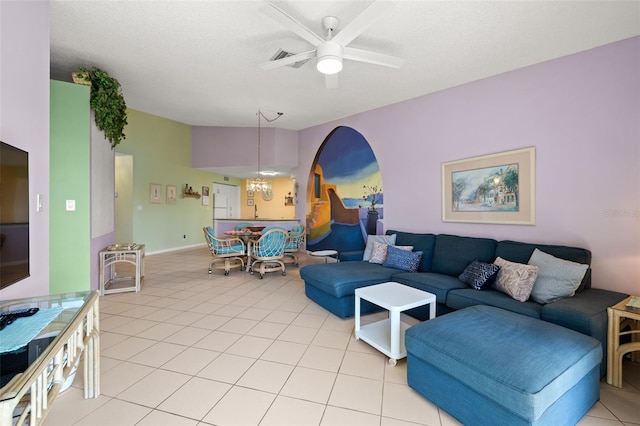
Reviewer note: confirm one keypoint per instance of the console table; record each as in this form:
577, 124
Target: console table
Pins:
28, 395
117, 253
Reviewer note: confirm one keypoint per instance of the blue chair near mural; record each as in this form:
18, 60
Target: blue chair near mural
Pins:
294, 242
229, 250
267, 252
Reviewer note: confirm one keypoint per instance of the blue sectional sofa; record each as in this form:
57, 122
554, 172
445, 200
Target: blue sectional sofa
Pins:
444, 258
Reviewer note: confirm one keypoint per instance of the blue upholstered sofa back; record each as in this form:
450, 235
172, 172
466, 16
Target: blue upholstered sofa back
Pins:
450, 254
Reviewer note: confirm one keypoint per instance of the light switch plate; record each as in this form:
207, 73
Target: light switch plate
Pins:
71, 205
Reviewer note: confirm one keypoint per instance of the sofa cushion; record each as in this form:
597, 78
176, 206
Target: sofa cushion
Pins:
437, 284
515, 279
465, 297
452, 254
402, 259
379, 252
386, 239
420, 242
516, 251
557, 278
479, 275
342, 278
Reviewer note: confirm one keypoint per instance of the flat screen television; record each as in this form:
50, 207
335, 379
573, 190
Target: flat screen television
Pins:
14, 214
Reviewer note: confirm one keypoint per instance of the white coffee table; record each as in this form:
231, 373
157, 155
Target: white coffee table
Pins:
387, 335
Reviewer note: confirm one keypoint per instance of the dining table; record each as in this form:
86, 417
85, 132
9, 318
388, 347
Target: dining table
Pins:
245, 235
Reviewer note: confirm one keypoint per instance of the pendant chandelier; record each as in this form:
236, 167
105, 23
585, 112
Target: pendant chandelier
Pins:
260, 184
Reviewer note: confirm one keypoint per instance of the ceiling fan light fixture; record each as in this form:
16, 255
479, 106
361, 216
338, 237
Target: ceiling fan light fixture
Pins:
329, 56
329, 65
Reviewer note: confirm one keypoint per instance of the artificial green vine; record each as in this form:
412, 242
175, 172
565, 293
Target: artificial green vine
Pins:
107, 103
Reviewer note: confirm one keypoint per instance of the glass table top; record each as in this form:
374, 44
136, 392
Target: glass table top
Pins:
18, 361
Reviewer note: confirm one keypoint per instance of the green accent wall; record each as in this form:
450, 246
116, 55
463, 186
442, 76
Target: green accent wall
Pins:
70, 161
161, 154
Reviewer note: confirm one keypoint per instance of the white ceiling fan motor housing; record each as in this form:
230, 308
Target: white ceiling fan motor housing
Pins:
329, 56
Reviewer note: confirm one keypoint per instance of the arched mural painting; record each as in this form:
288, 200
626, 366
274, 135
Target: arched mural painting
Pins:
344, 193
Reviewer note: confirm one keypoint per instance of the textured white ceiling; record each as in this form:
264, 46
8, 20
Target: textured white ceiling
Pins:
197, 61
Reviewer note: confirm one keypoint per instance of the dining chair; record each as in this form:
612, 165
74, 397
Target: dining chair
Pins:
295, 240
229, 250
267, 252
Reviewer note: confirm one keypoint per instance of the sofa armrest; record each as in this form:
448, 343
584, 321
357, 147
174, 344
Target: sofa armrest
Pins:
586, 312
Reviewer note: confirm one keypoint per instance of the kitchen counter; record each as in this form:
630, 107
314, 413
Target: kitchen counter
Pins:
222, 225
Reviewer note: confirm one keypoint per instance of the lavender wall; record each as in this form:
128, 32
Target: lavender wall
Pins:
24, 122
238, 146
581, 112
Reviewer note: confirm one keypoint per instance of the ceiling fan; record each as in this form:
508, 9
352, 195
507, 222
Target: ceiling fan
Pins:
331, 50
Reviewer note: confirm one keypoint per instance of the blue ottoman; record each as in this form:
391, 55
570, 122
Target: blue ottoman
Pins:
484, 365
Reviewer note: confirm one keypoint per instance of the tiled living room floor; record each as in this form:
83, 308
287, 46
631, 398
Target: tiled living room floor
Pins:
199, 349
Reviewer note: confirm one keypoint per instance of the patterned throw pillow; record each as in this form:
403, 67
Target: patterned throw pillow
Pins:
557, 278
386, 239
400, 258
515, 279
379, 252
479, 275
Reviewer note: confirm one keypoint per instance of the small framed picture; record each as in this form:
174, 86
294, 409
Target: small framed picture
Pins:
171, 194
250, 194
155, 193
250, 202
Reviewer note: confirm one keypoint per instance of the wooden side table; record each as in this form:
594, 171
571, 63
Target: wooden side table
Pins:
621, 316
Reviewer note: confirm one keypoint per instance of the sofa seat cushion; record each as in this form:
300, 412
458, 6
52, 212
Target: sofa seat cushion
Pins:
463, 298
437, 284
521, 366
342, 278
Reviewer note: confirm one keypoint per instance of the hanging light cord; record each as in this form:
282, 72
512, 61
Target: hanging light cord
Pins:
261, 115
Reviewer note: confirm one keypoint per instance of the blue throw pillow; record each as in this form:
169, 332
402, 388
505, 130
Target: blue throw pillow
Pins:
402, 259
479, 275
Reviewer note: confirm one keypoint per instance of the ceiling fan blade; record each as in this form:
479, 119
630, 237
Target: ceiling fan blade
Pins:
375, 11
331, 81
288, 60
291, 23
372, 57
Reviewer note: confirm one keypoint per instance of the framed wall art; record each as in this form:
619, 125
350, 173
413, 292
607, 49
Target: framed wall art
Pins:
172, 192
495, 188
155, 193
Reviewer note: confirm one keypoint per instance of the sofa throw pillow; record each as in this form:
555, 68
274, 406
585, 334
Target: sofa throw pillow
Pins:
557, 278
379, 252
479, 275
400, 258
515, 279
387, 239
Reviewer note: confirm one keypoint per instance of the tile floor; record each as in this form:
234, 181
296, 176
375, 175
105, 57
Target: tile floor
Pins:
197, 349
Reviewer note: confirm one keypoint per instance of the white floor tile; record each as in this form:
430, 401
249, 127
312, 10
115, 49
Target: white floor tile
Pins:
195, 398
233, 409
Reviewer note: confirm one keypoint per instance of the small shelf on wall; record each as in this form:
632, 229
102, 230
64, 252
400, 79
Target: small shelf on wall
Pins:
187, 192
